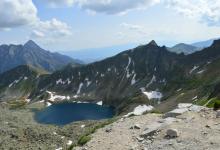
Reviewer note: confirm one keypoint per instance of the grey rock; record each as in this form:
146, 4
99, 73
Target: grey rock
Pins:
108, 130
140, 139
172, 133
218, 114
136, 126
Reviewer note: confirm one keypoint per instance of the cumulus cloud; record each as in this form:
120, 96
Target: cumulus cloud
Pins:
50, 30
58, 3
206, 11
15, 13
107, 6
54, 27
37, 34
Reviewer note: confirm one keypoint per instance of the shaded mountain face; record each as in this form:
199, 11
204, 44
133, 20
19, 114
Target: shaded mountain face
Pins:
30, 53
18, 83
121, 80
138, 76
184, 48
117, 77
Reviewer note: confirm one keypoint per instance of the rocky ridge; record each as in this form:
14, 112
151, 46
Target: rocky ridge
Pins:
31, 54
148, 74
196, 127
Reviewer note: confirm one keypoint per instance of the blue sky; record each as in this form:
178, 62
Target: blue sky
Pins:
64, 25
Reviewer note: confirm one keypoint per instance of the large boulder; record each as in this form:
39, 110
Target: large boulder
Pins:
182, 108
172, 133
175, 112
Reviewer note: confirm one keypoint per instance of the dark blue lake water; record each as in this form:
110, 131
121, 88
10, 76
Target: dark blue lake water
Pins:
64, 113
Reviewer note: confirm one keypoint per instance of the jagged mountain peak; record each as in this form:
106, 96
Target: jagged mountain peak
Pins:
152, 43
31, 54
31, 44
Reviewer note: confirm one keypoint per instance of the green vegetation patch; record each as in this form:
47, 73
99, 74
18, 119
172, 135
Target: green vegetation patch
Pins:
214, 103
211, 103
86, 137
83, 140
17, 104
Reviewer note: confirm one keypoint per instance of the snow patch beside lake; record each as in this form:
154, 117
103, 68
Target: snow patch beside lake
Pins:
54, 97
153, 95
48, 104
99, 103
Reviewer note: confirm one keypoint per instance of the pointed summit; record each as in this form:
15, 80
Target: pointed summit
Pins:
152, 43
31, 44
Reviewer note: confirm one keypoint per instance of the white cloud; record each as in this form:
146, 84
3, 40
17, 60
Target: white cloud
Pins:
115, 6
37, 34
53, 27
50, 30
131, 26
15, 13
106, 6
58, 3
206, 11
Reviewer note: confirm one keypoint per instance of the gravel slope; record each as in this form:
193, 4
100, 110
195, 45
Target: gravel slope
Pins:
197, 131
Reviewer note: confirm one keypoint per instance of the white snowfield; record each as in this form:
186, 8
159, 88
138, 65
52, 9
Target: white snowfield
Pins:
54, 97
153, 95
127, 67
79, 89
133, 80
99, 103
15, 82
193, 69
151, 81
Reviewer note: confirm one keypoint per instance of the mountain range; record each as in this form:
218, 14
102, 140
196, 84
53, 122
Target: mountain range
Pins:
147, 74
184, 48
97, 54
31, 54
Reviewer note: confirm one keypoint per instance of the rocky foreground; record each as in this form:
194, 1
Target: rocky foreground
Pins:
188, 127
19, 131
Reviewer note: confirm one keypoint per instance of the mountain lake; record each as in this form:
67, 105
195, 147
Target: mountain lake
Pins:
65, 113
